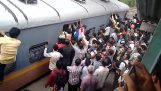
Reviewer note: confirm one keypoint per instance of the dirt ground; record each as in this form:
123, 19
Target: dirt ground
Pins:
132, 12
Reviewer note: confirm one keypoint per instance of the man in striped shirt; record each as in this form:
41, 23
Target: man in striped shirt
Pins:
74, 75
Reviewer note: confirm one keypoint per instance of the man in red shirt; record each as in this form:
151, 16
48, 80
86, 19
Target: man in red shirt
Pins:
54, 77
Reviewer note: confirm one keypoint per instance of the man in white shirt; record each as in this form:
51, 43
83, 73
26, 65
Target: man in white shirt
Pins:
101, 74
125, 61
54, 56
107, 32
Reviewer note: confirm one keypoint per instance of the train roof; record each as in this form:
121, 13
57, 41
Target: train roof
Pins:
14, 13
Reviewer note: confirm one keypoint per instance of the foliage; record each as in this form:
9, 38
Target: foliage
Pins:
131, 3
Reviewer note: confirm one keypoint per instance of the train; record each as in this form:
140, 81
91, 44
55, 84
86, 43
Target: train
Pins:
42, 21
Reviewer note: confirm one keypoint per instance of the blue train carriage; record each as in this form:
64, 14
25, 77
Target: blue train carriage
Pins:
41, 21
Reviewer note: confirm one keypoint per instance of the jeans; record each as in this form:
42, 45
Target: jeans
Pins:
2, 67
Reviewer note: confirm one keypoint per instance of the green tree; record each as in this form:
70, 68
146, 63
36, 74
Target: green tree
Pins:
131, 3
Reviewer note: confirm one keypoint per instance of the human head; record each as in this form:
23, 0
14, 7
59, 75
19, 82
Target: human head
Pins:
87, 62
139, 58
14, 32
98, 57
110, 52
77, 62
80, 45
95, 43
90, 69
129, 50
104, 62
55, 47
126, 56
67, 42
111, 43
59, 64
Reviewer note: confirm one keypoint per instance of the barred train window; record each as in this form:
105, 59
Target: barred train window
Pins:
36, 52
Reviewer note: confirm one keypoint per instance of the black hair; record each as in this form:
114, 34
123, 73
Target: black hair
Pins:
59, 64
138, 49
14, 32
95, 35
98, 57
139, 57
87, 62
110, 51
78, 62
95, 42
55, 47
104, 63
111, 42
80, 45
67, 42
127, 55
87, 55
65, 27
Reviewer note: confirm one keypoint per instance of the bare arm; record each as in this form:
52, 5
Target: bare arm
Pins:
45, 51
85, 42
2, 33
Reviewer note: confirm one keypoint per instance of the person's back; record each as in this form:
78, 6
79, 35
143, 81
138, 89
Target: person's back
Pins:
90, 81
74, 75
84, 71
101, 74
57, 78
97, 62
54, 56
68, 54
8, 49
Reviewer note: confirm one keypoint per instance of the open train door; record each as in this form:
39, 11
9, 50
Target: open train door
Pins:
152, 57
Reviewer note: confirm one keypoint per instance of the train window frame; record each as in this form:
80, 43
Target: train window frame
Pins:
65, 27
36, 52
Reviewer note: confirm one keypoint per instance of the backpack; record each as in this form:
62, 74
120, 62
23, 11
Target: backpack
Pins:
60, 80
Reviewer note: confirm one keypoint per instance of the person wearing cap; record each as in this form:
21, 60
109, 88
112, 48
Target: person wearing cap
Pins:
8, 49
90, 81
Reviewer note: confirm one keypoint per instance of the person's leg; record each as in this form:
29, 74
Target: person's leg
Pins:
70, 87
75, 87
2, 67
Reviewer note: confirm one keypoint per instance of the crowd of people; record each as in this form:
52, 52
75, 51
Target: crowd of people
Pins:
84, 59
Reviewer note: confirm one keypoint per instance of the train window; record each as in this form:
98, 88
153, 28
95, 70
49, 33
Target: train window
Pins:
29, 1
91, 30
102, 26
65, 27
36, 52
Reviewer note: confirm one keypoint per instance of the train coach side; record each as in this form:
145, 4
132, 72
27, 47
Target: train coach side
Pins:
43, 22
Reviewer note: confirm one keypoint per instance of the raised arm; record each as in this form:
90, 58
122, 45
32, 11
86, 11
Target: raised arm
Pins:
45, 51
85, 43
